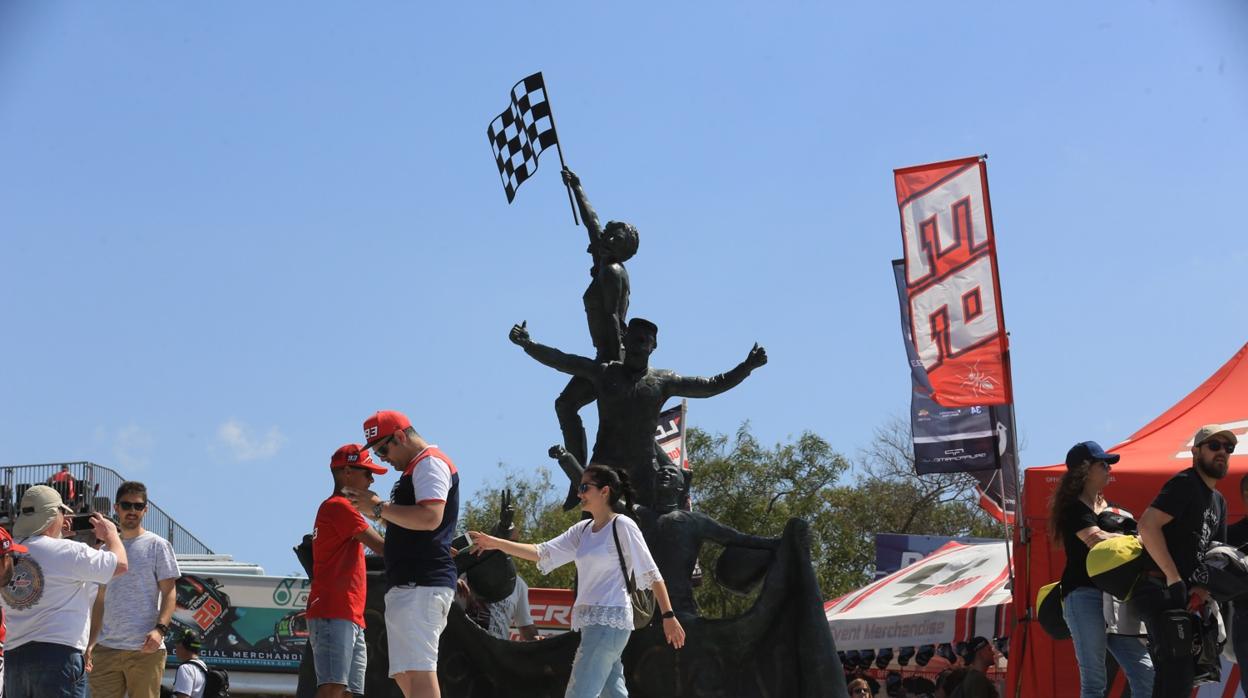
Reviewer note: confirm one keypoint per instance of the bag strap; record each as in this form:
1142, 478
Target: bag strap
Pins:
199, 664
628, 580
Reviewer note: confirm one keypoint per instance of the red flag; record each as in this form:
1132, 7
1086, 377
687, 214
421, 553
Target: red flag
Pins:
951, 282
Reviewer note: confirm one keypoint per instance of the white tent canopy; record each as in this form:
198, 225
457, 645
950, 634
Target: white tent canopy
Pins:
956, 593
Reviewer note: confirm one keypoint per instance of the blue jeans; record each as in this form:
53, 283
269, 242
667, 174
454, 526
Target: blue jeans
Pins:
338, 653
44, 670
1085, 616
597, 669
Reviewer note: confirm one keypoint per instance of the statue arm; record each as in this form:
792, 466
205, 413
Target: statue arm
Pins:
587, 211
565, 363
694, 386
727, 535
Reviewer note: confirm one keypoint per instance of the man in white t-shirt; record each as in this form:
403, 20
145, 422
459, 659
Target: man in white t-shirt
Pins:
48, 603
192, 675
130, 619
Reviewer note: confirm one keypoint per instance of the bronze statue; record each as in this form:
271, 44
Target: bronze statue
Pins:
631, 395
606, 310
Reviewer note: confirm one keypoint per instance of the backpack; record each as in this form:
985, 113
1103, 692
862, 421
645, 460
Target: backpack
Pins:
216, 681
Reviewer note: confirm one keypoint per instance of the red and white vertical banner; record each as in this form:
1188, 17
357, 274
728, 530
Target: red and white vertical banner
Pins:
954, 293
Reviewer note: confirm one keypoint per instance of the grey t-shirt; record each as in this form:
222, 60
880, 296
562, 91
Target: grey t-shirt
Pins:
132, 602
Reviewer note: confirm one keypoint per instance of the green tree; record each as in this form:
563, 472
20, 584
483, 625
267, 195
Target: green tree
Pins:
539, 517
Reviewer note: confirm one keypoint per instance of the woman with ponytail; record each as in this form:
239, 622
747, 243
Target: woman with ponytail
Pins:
1073, 512
603, 612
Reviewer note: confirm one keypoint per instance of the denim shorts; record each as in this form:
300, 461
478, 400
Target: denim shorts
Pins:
339, 652
415, 619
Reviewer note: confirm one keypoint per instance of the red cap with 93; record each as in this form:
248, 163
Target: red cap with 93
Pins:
382, 426
354, 456
7, 545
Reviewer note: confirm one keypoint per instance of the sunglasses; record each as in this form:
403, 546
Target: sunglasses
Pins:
383, 446
584, 487
1216, 445
132, 506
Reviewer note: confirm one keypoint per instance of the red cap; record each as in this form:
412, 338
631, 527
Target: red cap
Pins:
354, 455
7, 545
382, 426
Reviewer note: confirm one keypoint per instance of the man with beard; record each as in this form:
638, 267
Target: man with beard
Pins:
1176, 529
131, 615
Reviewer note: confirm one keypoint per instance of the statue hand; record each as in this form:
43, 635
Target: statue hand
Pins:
506, 514
520, 334
557, 451
757, 357
570, 178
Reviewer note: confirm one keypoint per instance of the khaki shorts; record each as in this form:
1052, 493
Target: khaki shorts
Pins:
415, 619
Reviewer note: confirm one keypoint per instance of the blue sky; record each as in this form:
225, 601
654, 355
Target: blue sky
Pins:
230, 231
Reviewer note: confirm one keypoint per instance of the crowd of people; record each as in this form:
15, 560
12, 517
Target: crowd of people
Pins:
84, 620
1169, 600
419, 518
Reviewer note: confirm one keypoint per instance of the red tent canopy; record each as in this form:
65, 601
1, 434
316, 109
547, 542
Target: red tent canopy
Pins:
1150, 456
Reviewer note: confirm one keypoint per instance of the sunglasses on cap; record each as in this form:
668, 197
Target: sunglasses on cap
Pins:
132, 506
1216, 445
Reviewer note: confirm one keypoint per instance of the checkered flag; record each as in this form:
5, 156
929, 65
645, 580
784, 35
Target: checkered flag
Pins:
520, 134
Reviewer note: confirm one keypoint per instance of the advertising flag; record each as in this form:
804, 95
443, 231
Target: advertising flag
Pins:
975, 439
953, 294
670, 434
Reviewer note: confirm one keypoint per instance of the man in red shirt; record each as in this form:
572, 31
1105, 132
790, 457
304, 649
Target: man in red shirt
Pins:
339, 587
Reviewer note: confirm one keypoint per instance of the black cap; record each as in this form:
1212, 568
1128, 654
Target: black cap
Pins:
1089, 451
190, 641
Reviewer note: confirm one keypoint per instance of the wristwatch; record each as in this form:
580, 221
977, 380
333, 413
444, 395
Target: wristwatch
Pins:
164, 629
377, 510
668, 614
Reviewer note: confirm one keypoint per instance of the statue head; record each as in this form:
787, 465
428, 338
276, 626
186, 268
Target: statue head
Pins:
640, 340
671, 486
620, 241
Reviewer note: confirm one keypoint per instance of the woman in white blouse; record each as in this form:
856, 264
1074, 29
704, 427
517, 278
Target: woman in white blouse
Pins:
603, 612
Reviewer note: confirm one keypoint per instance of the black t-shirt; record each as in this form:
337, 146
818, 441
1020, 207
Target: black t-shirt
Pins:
1074, 518
1199, 517
1237, 533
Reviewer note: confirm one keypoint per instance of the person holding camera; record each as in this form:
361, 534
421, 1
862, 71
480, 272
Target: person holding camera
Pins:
1176, 529
48, 603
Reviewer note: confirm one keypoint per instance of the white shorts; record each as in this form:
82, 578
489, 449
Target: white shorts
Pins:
415, 619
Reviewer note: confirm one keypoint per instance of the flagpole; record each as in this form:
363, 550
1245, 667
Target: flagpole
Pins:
559, 149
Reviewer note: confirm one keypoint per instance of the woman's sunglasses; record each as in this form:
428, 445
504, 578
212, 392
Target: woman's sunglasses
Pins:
584, 487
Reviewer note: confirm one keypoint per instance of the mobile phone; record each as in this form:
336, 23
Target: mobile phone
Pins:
463, 544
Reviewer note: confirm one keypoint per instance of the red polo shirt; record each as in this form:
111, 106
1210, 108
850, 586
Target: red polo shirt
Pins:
339, 586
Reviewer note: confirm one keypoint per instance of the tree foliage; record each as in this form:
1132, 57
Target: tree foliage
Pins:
757, 489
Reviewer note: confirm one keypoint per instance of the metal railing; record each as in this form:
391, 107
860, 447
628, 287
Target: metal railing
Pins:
87, 488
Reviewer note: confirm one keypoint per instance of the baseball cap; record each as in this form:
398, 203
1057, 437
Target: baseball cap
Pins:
1209, 431
383, 425
190, 641
7, 545
38, 508
1089, 451
355, 456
